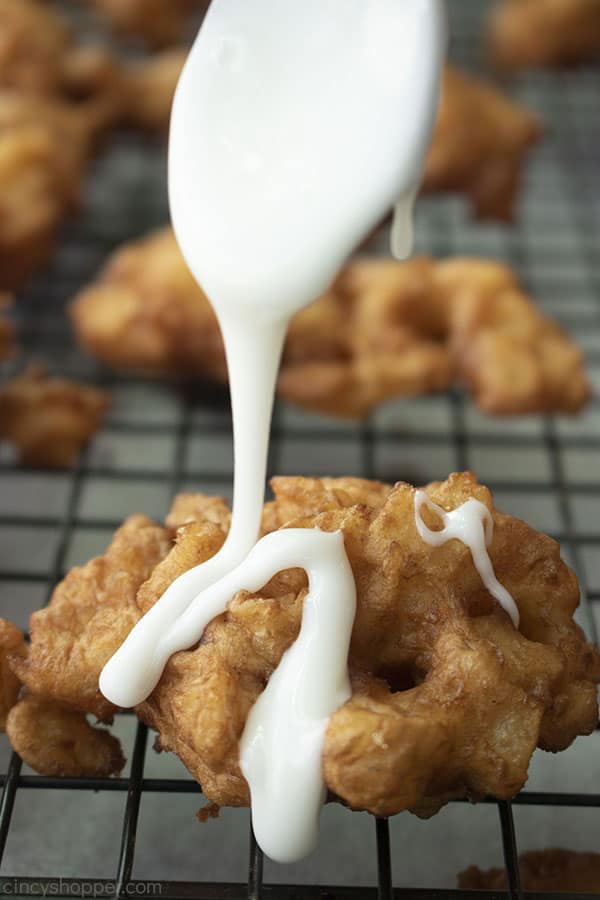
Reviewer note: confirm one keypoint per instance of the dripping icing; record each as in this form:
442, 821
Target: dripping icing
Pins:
280, 750
274, 115
472, 524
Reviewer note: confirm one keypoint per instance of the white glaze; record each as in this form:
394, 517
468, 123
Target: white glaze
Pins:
295, 127
280, 751
472, 524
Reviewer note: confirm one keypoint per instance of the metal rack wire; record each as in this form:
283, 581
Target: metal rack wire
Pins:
551, 461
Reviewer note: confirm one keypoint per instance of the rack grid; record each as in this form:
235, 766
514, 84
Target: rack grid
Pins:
549, 466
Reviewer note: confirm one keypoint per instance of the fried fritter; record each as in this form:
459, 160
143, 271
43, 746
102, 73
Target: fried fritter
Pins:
564, 871
55, 740
480, 145
383, 330
49, 419
89, 615
156, 22
537, 33
12, 643
147, 293
33, 44
39, 57
448, 698
57, 98
43, 147
7, 331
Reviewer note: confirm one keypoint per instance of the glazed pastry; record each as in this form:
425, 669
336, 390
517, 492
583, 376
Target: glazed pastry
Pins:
448, 700
33, 42
384, 330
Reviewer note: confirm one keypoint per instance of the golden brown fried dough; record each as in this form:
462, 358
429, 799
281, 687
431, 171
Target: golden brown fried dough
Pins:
43, 146
12, 644
89, 615
49, 419
158, 22
480, 145
551, 870
533, 33
39, 57
147, 293
33, 44
449, 699
55, 740
57, 98
383, 330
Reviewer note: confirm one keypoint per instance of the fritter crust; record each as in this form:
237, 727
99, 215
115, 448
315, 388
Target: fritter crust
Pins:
55, 740
147, 293
480, 145
33, 43
43, 147
440, 676
542, 870
537, 33
89, 615
12, 644
448, 698
49, 419
39, 57
383, 330
57, 98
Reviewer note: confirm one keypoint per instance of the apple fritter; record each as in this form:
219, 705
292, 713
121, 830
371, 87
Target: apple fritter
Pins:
440, 676
544, 33
33, 42
43, 147
47, 419
40, 57
552, 870
55, 740
89, 615
449, 699
480, 145
383, 330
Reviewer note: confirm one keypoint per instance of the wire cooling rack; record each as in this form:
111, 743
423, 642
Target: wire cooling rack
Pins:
161, 438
